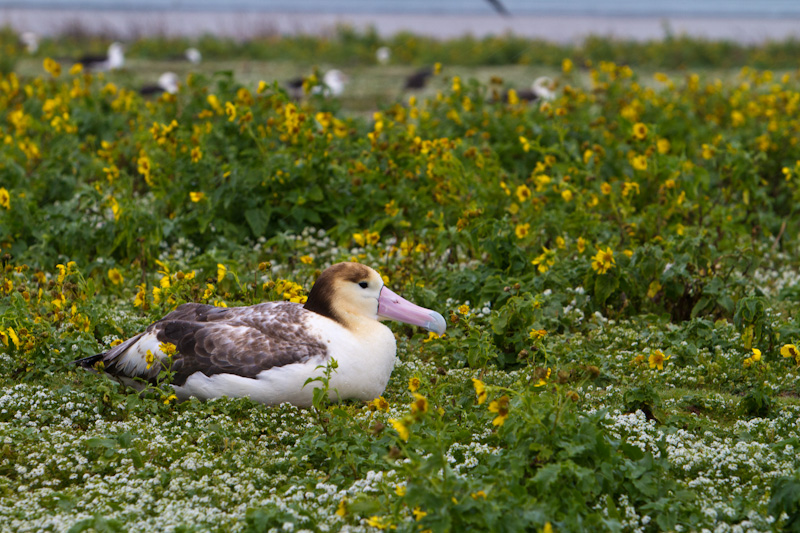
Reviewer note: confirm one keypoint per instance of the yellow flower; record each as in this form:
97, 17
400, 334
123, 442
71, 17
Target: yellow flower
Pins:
144, 167
115, 208
230, 110
513, 98
413, 384
603, 261
341, 510
523, 193
548, 528
5, 198
419, 514
499, 406
587, 156
653, 289
545, 260
391, 209
463, 309
420, 404
13, 336
543, 380
196, 154
537, 334
150, 358
566, 194
640, 131
221, 271
196, 196
213, 101
605, 188
306, 259
115, 276
432, 336
708, 151
756, 354
479, 494
790, 350
630, 187
480, 390
522, 230
167, 348
581, 245
400, 427
663, 146
52, 67
62, 273
566, 65
657, 359
380, 403
639, 162
377, 521
526, 145
400, 490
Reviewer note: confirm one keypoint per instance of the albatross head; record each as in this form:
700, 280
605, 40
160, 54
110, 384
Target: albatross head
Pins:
347, 292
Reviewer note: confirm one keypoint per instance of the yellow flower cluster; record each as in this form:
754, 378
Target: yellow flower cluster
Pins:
290, 291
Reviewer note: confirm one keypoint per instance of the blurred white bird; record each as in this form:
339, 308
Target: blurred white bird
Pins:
115, 59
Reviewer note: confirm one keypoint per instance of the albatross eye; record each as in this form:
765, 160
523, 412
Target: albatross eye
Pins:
363, 284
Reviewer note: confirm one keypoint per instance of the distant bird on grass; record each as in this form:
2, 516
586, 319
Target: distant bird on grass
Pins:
30, 41
115, 59
541, 89
167, 83
333, 83
383, 55
193, 56
269, 351
418, 79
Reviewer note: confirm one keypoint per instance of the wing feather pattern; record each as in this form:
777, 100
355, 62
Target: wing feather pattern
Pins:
240, 340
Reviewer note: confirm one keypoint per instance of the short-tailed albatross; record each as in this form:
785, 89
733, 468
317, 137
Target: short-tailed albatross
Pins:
268, 351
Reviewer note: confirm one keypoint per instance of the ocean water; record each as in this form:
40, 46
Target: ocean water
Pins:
643, 8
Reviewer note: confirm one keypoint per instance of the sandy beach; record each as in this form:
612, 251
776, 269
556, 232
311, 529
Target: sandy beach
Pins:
557, 28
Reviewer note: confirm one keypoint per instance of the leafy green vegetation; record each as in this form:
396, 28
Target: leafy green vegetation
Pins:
618, 268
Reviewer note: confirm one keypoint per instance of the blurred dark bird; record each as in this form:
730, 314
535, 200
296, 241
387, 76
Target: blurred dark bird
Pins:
419, 79
499, 7
333, 83
114, 60
167, 83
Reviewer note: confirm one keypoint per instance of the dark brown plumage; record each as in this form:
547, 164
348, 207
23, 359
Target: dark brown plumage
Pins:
419, 79
269, 335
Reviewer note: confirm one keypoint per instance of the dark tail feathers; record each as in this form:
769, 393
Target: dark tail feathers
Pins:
88, 362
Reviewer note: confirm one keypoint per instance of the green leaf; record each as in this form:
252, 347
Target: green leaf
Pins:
257, 219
